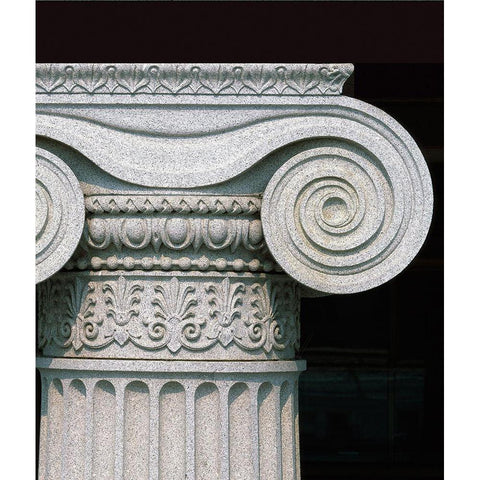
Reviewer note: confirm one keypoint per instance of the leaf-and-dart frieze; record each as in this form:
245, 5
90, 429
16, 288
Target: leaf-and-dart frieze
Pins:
84, 315
177, 204
192, 79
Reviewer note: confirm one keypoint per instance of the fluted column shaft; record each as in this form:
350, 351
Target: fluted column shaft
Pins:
114, 419
207, 389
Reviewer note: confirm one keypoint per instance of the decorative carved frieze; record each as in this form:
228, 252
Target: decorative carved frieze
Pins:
174, 233
192, 79
164, 316
149, 232
200, 263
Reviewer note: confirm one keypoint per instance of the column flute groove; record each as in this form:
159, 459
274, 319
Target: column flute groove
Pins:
88, 430
190, 431
119, 429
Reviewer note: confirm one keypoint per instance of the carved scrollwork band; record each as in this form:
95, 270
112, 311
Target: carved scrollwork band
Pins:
169, 316
340, 218
193, 79
60, 213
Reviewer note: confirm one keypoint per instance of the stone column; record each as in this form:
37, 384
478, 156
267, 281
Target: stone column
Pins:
182, 212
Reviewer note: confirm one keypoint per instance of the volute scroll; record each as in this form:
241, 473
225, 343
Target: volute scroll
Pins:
350, 214
60, 214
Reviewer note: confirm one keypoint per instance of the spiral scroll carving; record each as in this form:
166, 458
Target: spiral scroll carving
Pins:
60, 214
341, 219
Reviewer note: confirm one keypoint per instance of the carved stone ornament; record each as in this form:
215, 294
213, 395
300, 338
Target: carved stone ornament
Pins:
350, 214
182, 211
60, 214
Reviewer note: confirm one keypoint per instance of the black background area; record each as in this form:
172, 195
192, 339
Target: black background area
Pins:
299, 32
371, 400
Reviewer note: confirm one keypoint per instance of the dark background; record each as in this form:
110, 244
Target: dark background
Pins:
371, 401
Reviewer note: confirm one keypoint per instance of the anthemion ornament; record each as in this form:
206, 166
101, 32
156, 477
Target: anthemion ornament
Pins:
182, 212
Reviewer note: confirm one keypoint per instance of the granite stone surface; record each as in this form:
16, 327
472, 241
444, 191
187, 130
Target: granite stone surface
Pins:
60, 214
169, 420
182, 212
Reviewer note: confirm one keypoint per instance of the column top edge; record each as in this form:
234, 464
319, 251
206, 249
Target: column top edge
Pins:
258, 79
177, 366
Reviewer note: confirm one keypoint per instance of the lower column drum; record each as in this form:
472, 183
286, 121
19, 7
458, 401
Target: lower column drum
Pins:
160, 420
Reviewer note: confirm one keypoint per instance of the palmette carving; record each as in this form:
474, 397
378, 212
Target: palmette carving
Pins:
49, 304
225, 300
83, 323
67, 317
267, 328
121, 300
176, 324
92, 316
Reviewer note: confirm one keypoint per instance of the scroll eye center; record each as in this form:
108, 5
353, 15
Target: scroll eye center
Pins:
334, 211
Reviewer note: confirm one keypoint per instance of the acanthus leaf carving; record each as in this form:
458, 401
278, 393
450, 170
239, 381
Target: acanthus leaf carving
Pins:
215, 80
259, 78
90, 79
174, 79
302, 79
132, 77
192, 79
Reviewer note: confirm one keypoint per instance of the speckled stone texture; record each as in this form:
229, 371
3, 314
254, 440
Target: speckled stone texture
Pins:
169, 420
60, 214
182, 212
